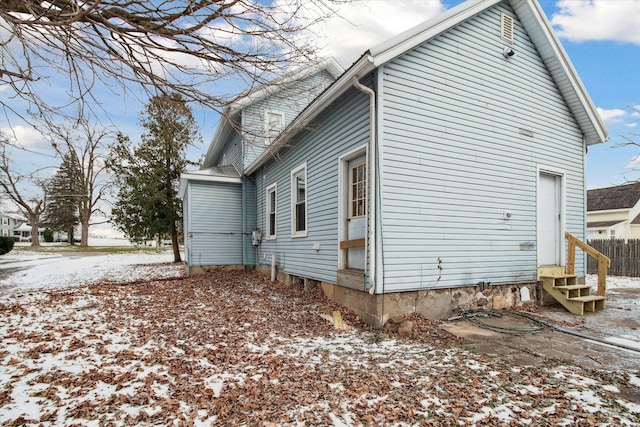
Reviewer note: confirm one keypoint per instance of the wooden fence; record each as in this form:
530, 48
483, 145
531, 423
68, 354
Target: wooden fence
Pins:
625, 256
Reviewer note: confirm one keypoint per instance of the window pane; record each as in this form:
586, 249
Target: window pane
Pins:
300, 216
272, 201
272, 224
300, 189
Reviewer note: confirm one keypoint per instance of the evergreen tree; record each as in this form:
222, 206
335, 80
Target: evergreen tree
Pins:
61, 213
147, 175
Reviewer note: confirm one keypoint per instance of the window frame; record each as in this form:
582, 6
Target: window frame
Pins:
268, 136
272, 189
300, 170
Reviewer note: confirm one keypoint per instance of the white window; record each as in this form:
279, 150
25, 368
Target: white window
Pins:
612, 234
299, 201
271, 212
5, 221
273, 125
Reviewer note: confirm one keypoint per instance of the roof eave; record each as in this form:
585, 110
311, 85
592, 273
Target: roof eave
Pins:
186, 177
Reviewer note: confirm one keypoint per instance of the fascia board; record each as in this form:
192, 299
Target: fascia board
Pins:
186, 177
608, 211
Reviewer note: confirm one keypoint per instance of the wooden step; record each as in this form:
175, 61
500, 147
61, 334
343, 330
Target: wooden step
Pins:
572, 287
559, 276
589, 302
587, 298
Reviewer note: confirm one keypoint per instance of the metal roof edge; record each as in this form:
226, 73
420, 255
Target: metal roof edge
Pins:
186, 177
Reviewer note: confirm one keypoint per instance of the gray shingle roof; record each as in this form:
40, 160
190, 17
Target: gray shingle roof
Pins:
618, 197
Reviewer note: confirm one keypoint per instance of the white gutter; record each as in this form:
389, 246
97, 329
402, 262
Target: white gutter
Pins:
371, 238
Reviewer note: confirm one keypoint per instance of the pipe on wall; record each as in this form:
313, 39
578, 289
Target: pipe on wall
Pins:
372, 179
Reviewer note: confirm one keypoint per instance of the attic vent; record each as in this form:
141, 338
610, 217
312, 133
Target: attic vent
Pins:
506, 27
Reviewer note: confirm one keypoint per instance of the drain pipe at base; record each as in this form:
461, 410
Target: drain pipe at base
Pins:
372, 179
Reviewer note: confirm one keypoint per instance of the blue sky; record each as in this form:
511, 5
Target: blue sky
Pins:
602, 38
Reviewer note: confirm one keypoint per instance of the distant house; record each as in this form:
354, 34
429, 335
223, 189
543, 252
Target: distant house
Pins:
10, 222
14, 224
614, 212
439, 172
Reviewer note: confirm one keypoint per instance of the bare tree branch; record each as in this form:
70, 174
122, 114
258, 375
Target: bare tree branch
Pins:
186, 47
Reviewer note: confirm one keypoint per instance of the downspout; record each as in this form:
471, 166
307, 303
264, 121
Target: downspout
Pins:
372, 179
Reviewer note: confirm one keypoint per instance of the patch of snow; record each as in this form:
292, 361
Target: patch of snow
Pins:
632, 344
24, 271
633, 407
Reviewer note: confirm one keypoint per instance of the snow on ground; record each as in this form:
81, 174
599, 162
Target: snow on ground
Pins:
235, 349
615, 282
31, 270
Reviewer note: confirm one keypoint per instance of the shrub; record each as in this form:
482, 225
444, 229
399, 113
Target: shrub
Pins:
6, 245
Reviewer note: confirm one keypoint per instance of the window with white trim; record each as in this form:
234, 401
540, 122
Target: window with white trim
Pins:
299, 201
273, 125
271, 211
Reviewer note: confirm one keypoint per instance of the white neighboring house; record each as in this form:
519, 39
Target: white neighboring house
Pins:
614, 212
10, 222
14, 224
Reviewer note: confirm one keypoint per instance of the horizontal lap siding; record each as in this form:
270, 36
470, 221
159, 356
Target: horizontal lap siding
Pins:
250, 209
291, 101
215, 224
454, 159
339, 129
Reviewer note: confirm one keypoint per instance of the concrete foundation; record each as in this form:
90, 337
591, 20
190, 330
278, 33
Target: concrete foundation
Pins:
434, 304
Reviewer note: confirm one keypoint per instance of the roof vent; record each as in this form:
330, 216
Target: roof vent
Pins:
506, 27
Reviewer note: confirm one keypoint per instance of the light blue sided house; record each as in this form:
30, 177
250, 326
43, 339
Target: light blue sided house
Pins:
440, 171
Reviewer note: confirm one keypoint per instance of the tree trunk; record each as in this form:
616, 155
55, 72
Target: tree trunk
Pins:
174, 242
35, 237
84, 238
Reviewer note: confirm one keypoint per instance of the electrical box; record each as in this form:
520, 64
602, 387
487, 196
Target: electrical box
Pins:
256, 237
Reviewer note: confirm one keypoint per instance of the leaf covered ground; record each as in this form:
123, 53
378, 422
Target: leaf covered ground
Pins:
231, 348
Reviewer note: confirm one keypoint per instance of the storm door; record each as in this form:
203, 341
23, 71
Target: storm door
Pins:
549, 219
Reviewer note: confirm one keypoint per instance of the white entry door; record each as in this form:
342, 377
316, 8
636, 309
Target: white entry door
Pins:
549, 219
356, 217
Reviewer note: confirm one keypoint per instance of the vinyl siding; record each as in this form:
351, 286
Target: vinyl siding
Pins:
214, 224
291, 101
232, 153
342, 127
250, 209
455, 156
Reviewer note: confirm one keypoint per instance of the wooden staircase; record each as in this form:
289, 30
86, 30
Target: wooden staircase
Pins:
565, 288
574, 297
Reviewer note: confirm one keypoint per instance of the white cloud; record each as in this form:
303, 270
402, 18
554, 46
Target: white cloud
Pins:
634, 163
581, 20
358, 26
612, 117
23, 136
